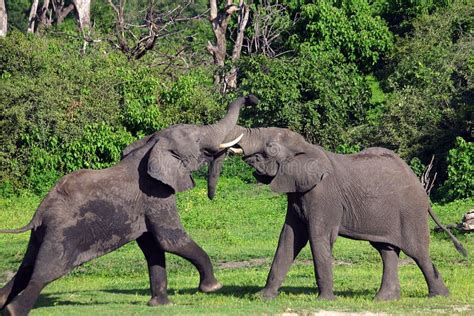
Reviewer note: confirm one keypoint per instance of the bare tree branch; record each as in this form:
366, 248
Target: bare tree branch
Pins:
269, 22
157, 25
425, 179
220, 21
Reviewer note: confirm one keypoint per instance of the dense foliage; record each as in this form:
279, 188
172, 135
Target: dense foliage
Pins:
345, 74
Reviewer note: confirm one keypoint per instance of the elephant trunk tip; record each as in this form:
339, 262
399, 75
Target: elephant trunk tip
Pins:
251, 99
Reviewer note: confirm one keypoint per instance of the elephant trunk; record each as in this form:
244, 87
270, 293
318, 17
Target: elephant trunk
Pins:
215, 167
216, 133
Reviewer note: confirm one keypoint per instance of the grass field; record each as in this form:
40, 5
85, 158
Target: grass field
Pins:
239, 230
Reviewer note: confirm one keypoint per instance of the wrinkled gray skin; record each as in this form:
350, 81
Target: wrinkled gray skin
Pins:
89, 213
372, 195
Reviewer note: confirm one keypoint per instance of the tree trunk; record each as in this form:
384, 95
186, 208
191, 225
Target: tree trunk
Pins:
220, 21
231, 77
32, 18
3, 19
83, 8
44, 19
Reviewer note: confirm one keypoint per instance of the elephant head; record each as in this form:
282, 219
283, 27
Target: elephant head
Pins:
174, 153
281, 158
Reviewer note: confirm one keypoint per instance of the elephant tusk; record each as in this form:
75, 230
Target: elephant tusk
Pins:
231, 143
237, 151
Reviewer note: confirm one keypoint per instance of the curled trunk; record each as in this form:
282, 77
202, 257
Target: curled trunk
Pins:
218, 133
215, 167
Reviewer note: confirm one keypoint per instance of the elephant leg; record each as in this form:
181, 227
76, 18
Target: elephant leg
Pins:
191, 251
155, 258
390, 286
173, 238
321, 249
47, 268
22, 277
432, 276
293, 238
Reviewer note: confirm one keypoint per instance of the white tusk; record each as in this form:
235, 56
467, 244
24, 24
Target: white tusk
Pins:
231, 143
237, 151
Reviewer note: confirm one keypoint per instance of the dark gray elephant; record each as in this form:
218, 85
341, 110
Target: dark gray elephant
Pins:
89, 213
372, 195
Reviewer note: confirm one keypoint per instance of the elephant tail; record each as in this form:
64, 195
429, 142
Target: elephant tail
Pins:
459, 247
31, 225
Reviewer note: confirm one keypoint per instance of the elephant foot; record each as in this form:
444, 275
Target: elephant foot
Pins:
326, 297
159, 300
267, 294
9, 311
3, 298
387, 295
442, 291
210, 287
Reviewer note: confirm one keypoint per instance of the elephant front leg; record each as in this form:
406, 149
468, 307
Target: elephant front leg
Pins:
322, 258
155, 257
171, 236
390, 286
293, 238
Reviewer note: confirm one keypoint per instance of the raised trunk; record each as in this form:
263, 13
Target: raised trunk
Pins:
3, 19
215, 167
216, 133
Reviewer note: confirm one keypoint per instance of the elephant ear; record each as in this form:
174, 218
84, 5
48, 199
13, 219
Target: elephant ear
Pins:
300, 173
167, 167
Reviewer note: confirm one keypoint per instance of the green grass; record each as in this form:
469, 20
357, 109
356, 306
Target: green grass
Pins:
241, 226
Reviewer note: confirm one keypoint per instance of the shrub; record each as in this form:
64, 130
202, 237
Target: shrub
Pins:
460, 183
314, 96
349, 28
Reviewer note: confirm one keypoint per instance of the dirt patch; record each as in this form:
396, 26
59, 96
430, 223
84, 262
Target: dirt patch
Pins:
406, 262
242, 264
263, 261
7, 276
329, 313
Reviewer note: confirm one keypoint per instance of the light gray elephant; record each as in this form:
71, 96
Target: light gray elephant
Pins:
372, 195
89, 213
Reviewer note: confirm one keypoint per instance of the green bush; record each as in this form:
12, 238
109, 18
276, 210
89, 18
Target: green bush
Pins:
460, 183
349, 28
428, 87
193, 99
63, 110
315, 96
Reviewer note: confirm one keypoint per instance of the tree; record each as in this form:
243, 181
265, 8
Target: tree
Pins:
220, 21
3, 19
135, 38
83, 8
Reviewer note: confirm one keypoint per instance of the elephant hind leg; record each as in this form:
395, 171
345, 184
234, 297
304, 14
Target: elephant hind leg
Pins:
19, 282
436, 286
433, 278
48, 266
390, 285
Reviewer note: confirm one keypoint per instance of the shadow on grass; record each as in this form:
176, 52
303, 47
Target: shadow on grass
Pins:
243, 292
249, 290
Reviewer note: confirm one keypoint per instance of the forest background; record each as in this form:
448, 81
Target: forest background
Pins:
80, 80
